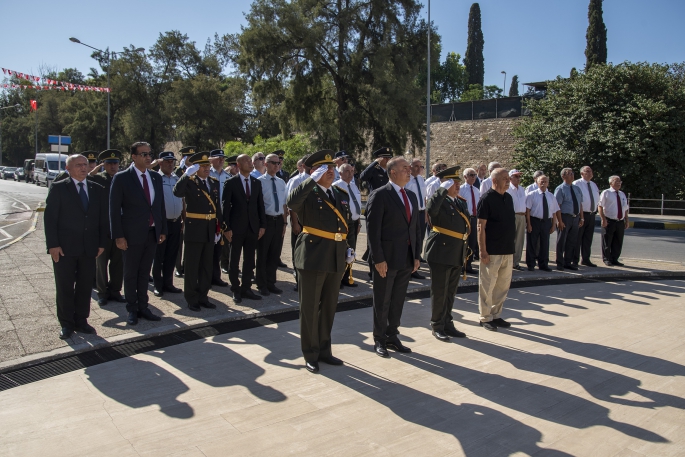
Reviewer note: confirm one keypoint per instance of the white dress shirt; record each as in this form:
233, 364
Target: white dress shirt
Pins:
432, 185
519, 196
295, 181
398, 189
270, 207
465, 191
412, 185
583, 184
608, 202
485, 185
534, 203
352, 190
172, 203
146, 175
85, 185
220, 175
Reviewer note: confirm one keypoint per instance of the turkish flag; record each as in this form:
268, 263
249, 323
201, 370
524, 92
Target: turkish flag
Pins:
34, 105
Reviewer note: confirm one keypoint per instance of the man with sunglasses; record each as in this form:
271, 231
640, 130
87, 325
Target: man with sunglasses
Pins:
259, 164
138, 223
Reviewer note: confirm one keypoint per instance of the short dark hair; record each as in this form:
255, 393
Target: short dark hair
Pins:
137, 144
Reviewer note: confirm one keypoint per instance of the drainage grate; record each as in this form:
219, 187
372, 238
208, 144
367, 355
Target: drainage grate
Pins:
17, 377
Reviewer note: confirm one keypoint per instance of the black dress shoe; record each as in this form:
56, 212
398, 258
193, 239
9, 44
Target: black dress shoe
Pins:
531, 268
102, 301
173, 289
116, 296
220, 283
440, 335
85, 327
178, 274
208, 305
499, 322
224, 270
281, 264
397, 345
312, 367
518, 267
237, 298
274, 290
588, 264
608, 264
263, 291
619, 264
157, 293
488, 326
65, 332
546, 269
147, 314
194, 307
560, 268
417, 275
381, 350
570, 267
451, 331
331, 360
249, 294
132, 318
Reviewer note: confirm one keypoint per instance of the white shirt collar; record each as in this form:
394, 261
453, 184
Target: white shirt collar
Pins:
396, 187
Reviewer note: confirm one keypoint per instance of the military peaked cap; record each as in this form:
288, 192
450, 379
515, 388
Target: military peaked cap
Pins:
92, 156
200, 158
323, 157
450, 173
383, 152
188, 151
110, 156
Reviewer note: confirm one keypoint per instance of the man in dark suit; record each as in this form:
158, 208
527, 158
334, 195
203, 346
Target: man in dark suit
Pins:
75, 234
392, 226
320, 255
245, 219
138, 223
203, 229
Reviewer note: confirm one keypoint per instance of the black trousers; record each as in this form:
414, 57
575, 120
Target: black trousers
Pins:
318, 291
225, 258
111, 257
138, 260
269, 251
293, 240
351, 242
612, 240
473, 240
245, 244
388, 300
566, 240
537, 244
444, 283
166, 255
197, 279
585, 233
73, 282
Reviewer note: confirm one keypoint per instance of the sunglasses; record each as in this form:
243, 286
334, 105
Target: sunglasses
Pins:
259, 158
144, 154
471, 175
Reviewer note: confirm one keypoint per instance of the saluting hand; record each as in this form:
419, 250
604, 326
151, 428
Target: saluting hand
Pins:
55, 253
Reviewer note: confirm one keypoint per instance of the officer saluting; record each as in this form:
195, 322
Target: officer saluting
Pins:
202, 229
320, 250
186, 152
446, 250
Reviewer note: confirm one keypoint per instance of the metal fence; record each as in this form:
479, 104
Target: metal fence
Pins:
492, 108
660, 206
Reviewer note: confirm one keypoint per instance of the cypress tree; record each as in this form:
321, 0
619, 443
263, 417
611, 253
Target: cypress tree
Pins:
514, 87
596, 50
473, 60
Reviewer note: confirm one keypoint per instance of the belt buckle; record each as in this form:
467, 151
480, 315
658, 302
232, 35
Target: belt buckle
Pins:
465, 237
208, 216
338, 237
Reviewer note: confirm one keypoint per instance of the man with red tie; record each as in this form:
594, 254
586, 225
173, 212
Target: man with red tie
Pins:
613, 209
469, 192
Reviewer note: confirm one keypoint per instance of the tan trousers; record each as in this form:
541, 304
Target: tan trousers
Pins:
520, 238
493, 285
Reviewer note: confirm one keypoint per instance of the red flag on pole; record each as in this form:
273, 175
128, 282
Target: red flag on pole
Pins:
34, 105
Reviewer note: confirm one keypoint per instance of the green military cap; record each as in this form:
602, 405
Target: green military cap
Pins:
200, 158
233, 160
92, 156
450, 173
323, 157
383, 152
279, 153
188, 151
110, 156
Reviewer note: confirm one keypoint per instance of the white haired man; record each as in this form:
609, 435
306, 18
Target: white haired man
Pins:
613, 209
486, 184
589, 207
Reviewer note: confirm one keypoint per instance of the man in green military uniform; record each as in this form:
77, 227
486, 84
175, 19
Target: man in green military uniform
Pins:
202, 229
446, 250
108, 287
186, 153
320, 256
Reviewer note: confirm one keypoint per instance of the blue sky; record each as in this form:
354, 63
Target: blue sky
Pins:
536, 39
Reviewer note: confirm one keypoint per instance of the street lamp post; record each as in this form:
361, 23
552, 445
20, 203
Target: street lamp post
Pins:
428, 96
504, 88
17, 107
109, 54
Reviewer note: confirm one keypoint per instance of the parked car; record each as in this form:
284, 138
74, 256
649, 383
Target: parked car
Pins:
19, 174
8, 173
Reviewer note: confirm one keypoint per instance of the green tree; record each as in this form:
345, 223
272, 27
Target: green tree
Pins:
453, 78
626, 119
295, 147
596, 36
474, 92
514, 86
475, 64
492, 91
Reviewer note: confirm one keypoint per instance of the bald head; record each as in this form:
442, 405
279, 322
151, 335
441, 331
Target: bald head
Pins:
500, 179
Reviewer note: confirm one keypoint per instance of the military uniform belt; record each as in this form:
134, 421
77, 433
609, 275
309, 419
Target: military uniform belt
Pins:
323, 234
452, 233
205, 217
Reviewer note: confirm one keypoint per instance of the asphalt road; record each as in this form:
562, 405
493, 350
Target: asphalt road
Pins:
17, 202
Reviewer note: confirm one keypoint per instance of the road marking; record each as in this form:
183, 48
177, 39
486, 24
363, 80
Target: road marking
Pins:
15, 223
20, 205
7, 235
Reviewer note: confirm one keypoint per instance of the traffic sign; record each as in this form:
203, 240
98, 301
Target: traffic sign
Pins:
59, 139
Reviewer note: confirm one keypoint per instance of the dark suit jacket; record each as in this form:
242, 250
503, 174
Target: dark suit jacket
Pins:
69, 226
388, 230
129, 210
190, 188
241, 215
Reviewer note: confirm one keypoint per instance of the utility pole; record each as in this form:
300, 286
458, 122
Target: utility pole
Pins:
428, 97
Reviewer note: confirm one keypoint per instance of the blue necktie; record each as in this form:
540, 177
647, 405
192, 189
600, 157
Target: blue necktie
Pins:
273, 183
84, 197
575, 201
354, 200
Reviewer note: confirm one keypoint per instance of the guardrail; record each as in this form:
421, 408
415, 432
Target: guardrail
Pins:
661, 207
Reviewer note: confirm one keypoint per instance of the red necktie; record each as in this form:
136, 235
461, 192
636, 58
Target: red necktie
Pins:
620, 208
247, 188
406, 204
473, 202
146, 188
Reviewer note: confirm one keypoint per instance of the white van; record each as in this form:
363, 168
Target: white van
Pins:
47, 167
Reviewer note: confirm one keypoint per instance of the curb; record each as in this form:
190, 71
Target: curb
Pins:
648, 225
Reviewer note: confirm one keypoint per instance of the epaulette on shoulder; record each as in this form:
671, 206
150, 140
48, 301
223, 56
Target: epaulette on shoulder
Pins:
212, 177
341, 189
462, 198
378, 166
